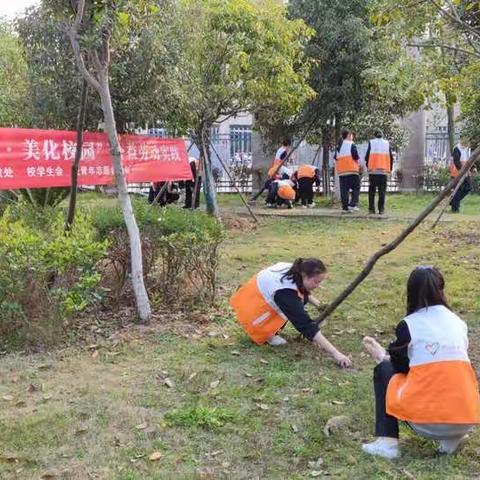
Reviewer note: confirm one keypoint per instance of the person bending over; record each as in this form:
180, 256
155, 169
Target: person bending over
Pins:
278, 294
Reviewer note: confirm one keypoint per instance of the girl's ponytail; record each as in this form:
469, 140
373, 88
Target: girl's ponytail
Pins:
304, 266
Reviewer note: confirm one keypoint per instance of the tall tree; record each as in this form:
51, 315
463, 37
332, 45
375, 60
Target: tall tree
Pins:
93, 33
14, 99
236, 56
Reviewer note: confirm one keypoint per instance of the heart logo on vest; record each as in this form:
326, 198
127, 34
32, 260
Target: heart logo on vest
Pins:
432, 348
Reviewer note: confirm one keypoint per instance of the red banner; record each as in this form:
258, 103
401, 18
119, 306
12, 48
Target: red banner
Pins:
43, 158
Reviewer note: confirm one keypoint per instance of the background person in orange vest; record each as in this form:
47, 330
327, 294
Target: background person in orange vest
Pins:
192, 187
379, 162
348, 169
425, 377
460, 155
284, 193
307, 176
283, 173
265, 303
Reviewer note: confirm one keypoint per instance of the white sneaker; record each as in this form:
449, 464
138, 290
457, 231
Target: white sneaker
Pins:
276, 341
451, 446
386, 448
355, 209
311, 205
304, 206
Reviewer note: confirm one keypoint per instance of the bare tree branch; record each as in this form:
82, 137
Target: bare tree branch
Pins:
447, 47
456, 18
73, 35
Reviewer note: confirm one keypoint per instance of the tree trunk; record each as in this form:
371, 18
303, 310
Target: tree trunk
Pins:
325, 168
78, 155
141, 296
450, 121
208, 181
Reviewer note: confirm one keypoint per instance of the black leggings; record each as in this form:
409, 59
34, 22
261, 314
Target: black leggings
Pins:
385, 424
305, 190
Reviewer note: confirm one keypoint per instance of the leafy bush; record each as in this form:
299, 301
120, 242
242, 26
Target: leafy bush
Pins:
45, 274
180, 250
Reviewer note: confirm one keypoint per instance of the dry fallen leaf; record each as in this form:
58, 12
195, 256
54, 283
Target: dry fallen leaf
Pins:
338, 402
263, 361
155, 456
168, 382
141, 426
95, 354
81, 431
249, 375
7, 398
262, 406
215, 384
295, 429
235, 352
192, 376
316, 473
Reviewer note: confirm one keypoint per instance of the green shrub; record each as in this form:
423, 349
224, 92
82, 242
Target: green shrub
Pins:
180, 251
45, 274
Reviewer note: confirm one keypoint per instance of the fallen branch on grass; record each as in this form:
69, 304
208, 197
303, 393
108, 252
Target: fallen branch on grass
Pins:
397, 241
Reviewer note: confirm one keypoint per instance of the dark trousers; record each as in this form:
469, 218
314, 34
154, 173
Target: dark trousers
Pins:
305, 190
190, 190
349, 183
272, 193
461, 193
375, 182
385, 425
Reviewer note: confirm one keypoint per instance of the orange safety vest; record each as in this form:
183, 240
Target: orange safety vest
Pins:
441, 386
276, 162
273, 170
306, 171
286, 190
254, 303
464, 156
379, 157
344, 162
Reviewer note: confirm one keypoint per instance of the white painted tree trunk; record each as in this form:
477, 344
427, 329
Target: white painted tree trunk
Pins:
141, 296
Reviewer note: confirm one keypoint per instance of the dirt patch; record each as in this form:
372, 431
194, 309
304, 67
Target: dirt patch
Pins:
459, 237
239, 223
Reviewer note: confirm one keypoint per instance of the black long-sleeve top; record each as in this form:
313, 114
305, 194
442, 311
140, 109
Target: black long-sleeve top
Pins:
367, 156
398, 349
293, 307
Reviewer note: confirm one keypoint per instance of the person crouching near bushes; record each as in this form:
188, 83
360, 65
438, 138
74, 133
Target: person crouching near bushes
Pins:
277, 294
425, 377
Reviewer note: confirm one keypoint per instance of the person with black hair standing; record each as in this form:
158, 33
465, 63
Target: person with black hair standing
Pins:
424, 377
460, 155
265, 303
348, 170
379, 162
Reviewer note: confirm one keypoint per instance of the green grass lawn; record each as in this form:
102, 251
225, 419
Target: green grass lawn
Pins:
402, 204
233, 410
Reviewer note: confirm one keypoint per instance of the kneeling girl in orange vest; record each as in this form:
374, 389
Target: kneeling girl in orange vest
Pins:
277, 294
425, 378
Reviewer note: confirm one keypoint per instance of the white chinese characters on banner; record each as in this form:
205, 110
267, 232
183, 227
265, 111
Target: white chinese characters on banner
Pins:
49, 150
43, 172
6, 172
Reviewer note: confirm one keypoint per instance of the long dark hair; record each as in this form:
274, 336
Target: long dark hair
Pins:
425, 288
306, 266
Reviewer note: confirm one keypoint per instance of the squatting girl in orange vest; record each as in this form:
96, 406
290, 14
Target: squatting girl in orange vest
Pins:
277, 294
425, 378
